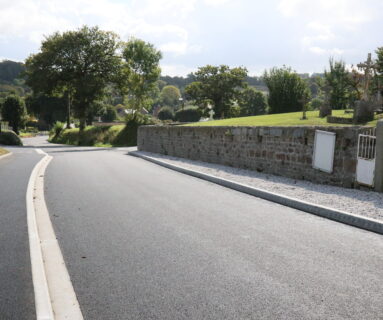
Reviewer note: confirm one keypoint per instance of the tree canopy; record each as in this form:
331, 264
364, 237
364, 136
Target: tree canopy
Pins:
170, 96
288, 92
338, 79
13, 110
82, 62
252, 102
140, 71
218, 85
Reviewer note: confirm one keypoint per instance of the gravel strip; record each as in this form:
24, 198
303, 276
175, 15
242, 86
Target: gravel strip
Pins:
365, 203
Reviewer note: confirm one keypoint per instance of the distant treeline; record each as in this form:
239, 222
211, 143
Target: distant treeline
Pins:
11, 71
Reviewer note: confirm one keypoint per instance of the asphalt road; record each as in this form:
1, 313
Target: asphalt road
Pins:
144, 242
16, 289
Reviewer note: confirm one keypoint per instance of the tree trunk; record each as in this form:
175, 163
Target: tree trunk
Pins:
68, 111
81, 131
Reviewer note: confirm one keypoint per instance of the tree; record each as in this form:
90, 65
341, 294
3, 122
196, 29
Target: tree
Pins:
252, 102
338, 79
287, 91
170, 96
80, 62
13, 111
379, 62
140, 72
48, 108
218, 85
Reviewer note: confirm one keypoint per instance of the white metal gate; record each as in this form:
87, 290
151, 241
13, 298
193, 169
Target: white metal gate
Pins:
366, 157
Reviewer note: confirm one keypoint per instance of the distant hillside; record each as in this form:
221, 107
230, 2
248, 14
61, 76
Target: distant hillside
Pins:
10, 70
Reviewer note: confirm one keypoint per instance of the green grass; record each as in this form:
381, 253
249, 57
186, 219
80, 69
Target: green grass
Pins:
3, 151
281, 119
27, 134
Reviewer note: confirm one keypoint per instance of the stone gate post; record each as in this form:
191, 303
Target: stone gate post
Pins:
379, 157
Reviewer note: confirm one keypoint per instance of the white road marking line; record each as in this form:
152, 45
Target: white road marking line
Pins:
39, 151
54, 294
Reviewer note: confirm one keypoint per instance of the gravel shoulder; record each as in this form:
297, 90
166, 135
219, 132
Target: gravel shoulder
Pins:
364, 203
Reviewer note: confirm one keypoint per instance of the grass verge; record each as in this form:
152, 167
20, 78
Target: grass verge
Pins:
106, 136
282, 119
3, 151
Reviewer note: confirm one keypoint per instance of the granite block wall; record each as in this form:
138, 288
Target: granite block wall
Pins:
284, 151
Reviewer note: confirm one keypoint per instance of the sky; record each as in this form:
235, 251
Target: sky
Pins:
255, 34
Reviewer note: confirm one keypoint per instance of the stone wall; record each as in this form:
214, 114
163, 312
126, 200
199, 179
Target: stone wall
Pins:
284, 151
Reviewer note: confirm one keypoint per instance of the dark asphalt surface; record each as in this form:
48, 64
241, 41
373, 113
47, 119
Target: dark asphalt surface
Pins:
144, 242
16, 288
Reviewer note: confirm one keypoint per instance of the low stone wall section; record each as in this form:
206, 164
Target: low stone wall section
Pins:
284, 151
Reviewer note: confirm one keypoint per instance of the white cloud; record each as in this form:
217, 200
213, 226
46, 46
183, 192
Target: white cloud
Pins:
324, 51
216, 2
176, 70
327, 24
32, 20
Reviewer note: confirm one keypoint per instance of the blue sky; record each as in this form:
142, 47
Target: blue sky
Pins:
255, 34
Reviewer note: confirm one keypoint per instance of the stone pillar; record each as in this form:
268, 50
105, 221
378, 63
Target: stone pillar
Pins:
379, 157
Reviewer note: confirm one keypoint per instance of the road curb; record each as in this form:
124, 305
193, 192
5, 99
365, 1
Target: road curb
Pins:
54, 294
6, 155
322, 211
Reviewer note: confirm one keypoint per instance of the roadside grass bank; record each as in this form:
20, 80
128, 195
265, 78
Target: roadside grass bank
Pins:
105, 136
282, 119
3, 151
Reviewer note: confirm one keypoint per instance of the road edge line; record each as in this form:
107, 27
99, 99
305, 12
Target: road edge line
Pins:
351, 219
6, 155
43, 304
63, 297
55, 297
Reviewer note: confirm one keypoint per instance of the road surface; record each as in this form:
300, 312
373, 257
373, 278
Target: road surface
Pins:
143, 242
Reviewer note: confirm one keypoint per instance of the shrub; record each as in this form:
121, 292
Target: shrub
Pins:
10, 138
315, 104
166, 113
128, 135
189, 114
58, 127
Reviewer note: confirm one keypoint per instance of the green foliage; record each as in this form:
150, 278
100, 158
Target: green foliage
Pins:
47, 108
58, 127
287, 91
188, 114
166, 113
10, 138
13, 110
170, 96
10, 70
140, 72
339, 81
80, 62
252, 102
110, 114
218, 85
316, 103
379, 60
234, 111
119, 135
128, 135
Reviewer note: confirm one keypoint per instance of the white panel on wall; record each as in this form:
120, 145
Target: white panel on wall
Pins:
324, 148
